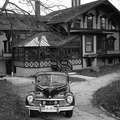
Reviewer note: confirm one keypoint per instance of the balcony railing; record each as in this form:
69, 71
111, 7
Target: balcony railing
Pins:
113, 52
108, 53
5, 55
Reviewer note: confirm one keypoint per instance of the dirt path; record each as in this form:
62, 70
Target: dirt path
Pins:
83, 92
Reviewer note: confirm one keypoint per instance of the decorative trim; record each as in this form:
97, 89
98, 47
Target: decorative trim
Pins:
45, 64
75, 62
18, 63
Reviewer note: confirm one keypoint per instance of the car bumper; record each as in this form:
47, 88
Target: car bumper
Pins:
50, 108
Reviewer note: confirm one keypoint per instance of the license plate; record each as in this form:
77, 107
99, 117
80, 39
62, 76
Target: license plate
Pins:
49, 107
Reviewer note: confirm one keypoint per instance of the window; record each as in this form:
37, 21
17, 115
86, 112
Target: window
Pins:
5, 46
45, 54
20, 36
113, 25
90, 21
68, 53
103, 22
89, 43
19, 54
31, 54
101, 43
75, 52
72, 50
110, 42
75, 43
28, 35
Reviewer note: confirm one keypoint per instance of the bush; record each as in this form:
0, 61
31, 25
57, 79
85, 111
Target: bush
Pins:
103, 71
11, 105
108, 97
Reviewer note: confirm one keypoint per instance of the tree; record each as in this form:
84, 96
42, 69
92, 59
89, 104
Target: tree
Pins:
12, 13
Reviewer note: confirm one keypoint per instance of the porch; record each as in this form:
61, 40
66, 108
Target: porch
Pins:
42, 51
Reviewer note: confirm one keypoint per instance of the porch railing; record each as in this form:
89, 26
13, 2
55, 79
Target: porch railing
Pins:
55, 65
66, 64
63, 65
59, 65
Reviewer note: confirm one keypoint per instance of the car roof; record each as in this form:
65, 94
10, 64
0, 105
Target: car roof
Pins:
51, 72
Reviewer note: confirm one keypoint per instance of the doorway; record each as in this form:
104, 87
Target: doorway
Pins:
89, 62
8, 67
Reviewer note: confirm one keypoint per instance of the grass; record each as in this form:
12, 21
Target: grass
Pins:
11, 105
74, 79
109, 98
103, 71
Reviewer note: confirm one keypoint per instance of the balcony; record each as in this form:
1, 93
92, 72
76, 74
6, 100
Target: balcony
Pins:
113, 52
5, 55
108, 53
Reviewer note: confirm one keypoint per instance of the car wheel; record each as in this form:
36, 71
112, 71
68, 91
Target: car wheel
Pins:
32, 113
69, 113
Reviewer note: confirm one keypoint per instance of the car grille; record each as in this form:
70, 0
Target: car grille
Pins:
49, 102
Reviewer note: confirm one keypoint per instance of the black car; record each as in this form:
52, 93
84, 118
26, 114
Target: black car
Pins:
52, 94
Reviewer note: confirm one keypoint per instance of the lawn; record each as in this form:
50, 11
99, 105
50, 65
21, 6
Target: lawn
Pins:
109, 98
103, 71
11, 105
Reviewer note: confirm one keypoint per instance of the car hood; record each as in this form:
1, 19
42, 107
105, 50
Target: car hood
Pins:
50, 92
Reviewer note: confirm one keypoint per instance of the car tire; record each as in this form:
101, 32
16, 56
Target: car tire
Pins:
32, 113
69, 113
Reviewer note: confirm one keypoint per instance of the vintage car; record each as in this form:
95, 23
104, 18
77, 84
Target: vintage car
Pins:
52, 94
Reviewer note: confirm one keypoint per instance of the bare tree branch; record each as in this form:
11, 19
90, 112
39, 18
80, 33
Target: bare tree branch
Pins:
4, 6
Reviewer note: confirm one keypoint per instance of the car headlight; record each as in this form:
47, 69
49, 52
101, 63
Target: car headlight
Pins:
30, 98
69, 98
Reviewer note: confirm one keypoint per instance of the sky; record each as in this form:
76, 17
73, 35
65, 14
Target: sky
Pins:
66, 3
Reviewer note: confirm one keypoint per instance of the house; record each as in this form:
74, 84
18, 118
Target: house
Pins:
79, 37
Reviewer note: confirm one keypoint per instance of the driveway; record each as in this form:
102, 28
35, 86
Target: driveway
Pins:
83, 92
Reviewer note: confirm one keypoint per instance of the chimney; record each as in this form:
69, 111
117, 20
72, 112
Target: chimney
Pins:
76, 3
37, 9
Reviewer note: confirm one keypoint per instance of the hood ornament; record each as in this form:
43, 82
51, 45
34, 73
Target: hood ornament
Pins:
50, 92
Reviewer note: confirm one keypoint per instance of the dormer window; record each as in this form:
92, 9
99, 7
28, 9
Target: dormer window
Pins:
103, 22
76, 24
90, 21
113, 25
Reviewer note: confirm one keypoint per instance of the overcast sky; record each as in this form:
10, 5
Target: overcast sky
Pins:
66, 3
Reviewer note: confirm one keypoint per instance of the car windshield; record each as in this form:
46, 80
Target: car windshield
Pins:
51, 80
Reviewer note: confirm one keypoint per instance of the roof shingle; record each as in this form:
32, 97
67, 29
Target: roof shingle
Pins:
46, 39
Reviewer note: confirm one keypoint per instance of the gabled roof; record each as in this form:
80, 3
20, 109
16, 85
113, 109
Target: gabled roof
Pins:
66, 15
20, 22
46, 39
